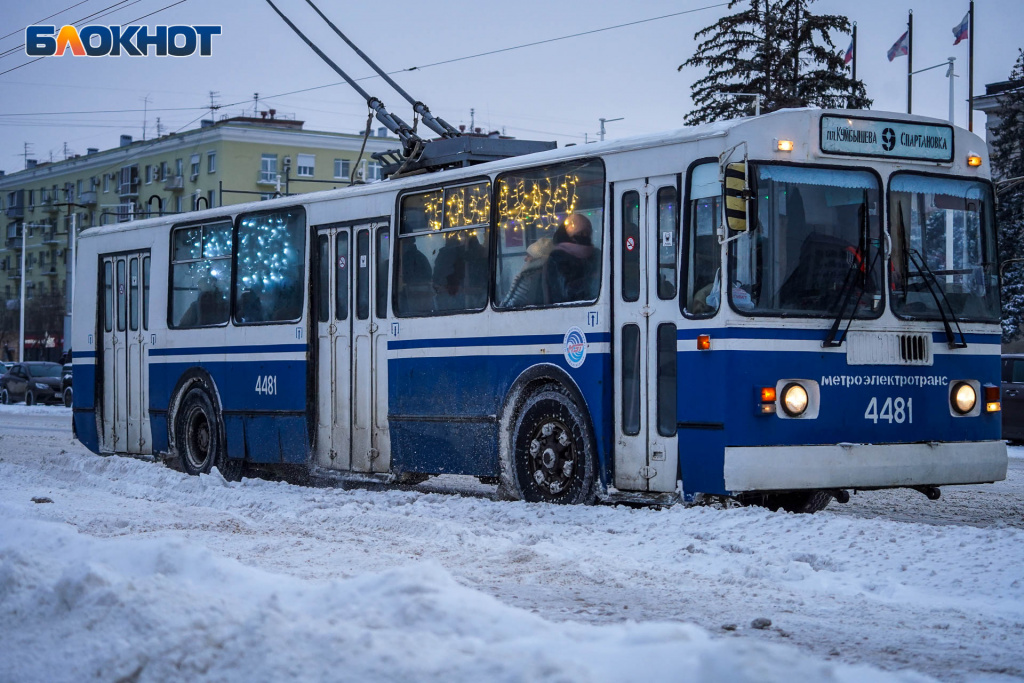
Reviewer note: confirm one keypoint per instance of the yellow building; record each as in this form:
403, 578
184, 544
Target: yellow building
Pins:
230, 161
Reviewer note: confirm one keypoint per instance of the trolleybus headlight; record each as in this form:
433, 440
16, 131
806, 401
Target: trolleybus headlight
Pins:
794, 399
963, 398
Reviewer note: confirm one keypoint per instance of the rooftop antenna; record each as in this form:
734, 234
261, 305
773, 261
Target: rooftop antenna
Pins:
438, 125
145, 107
24, 154
213, 100
391, 121
256, 95
159, 127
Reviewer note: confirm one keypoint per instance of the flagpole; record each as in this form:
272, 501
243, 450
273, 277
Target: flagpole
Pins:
970, 69
910, 61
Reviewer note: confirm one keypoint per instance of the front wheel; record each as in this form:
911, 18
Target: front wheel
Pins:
799, 502
30, 398
199, 437
68, 398
552, 450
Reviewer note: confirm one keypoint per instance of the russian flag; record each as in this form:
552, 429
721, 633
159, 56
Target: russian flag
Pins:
962, 30
900, 47
849, 53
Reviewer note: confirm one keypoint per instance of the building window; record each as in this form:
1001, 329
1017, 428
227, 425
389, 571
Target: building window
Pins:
177, 204
164, 171
31, 198
211, 162
211, 197
78, 186
194, 167
149, 174
179, 167
306, 165
342, 168
106, 182
268, 168
264, 196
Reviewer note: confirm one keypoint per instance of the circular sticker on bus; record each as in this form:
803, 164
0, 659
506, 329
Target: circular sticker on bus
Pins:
575, 347
630, 244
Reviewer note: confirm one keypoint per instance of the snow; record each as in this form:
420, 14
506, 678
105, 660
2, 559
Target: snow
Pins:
136, 571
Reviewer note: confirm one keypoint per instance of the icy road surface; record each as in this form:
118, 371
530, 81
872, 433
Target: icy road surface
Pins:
137, 572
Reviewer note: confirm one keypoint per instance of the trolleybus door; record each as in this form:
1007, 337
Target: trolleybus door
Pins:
125, 326
645, 248
345, 349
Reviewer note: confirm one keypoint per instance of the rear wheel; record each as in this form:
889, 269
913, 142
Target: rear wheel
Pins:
199, 437
800, 502
553, 458
30, 398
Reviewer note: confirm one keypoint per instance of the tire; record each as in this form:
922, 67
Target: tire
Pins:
5, 398
69, 398
199, 437
552, 451
798, 502
30, 398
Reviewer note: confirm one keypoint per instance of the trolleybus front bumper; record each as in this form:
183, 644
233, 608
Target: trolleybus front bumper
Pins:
864, 466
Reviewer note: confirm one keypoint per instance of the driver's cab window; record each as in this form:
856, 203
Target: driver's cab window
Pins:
703, 257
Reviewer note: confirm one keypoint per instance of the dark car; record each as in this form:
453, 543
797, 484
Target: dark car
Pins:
65, 386
1012, 396
33, 381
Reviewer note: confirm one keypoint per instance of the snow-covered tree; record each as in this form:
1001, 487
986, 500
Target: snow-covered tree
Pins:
778, 49
1007, 164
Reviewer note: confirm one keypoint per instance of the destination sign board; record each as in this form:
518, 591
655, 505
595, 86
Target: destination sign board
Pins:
886, 138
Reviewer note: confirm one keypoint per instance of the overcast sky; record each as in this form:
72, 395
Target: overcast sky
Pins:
557, 90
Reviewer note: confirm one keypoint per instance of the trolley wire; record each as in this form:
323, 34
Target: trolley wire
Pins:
44, 19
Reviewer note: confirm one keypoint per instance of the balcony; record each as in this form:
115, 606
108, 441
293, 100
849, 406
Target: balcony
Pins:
50, 237
17, 211
51, 271
174, 184
87, 198
14, 273
13, 242
128, 190
49, 205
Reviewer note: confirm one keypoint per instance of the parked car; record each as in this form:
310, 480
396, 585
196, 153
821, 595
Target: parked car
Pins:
65, 386
1012, 396
33, 381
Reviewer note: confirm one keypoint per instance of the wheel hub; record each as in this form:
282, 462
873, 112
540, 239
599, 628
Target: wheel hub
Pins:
552, 457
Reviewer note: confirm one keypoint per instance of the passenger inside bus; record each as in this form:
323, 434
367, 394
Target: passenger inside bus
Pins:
527, 288
209, 308
573, 268
250, 307
415, 292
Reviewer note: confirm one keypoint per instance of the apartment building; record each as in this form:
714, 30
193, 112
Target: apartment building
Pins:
224, 162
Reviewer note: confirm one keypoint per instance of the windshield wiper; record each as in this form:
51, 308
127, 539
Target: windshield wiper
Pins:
926, 273
848, 283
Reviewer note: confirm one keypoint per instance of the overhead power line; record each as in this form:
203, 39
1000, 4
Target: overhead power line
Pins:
45, 18
99, 14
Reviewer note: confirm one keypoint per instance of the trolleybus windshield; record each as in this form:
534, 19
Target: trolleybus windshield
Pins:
813, 247
943, 248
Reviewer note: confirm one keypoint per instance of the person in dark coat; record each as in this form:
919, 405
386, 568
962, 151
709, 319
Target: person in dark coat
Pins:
573, 269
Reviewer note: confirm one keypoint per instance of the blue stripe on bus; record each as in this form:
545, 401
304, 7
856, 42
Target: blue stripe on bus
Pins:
524, 340
84, 354
808, 335
199, 350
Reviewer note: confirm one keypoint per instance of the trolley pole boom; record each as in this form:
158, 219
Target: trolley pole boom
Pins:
392, 121
436, 124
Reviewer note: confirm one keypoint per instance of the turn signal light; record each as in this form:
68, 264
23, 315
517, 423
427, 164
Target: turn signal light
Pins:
703, 342
992, 404
974, 160
768, 395
785, 145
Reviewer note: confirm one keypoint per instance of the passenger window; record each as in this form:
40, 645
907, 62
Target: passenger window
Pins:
341, 276
120, 296
133, 295
702, 277
145, 292
200, 275
108, 296
383, 266
363, 275
550, 223
271, 263
324, 264
668, 237
441, 263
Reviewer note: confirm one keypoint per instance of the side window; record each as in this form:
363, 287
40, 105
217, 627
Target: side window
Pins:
631, 246
383, 265
120, 296
668, 237
1018, 371
145, 292
271, 265
108, 296
324, 263
200, 275
441, 263
702, 278
549, 235
342, 277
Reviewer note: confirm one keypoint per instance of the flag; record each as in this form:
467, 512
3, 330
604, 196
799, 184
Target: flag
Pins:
849, 53
963, 29
900, 47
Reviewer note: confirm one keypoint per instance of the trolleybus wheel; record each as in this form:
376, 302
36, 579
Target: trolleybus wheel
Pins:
552, 450
801, 502
199, 437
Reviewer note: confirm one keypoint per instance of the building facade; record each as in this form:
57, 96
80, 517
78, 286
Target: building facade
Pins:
225, 162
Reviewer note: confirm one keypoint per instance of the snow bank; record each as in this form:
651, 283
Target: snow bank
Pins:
76, 607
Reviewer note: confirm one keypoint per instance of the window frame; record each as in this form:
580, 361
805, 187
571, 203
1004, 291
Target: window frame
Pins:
608, 215
397, 236
299, 167
306, 260
683, 274
171, 262
211, 161
339, 165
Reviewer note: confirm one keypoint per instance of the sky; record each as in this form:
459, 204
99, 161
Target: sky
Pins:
557, 90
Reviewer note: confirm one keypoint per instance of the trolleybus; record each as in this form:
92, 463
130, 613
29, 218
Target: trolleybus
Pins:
779, 309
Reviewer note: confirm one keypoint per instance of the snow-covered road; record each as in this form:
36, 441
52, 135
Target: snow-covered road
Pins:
138, 570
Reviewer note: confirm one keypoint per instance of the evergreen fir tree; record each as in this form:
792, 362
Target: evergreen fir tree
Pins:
1007, 164
778, 49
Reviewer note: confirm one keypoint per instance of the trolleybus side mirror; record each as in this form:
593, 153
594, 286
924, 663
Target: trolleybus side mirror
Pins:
737, 197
